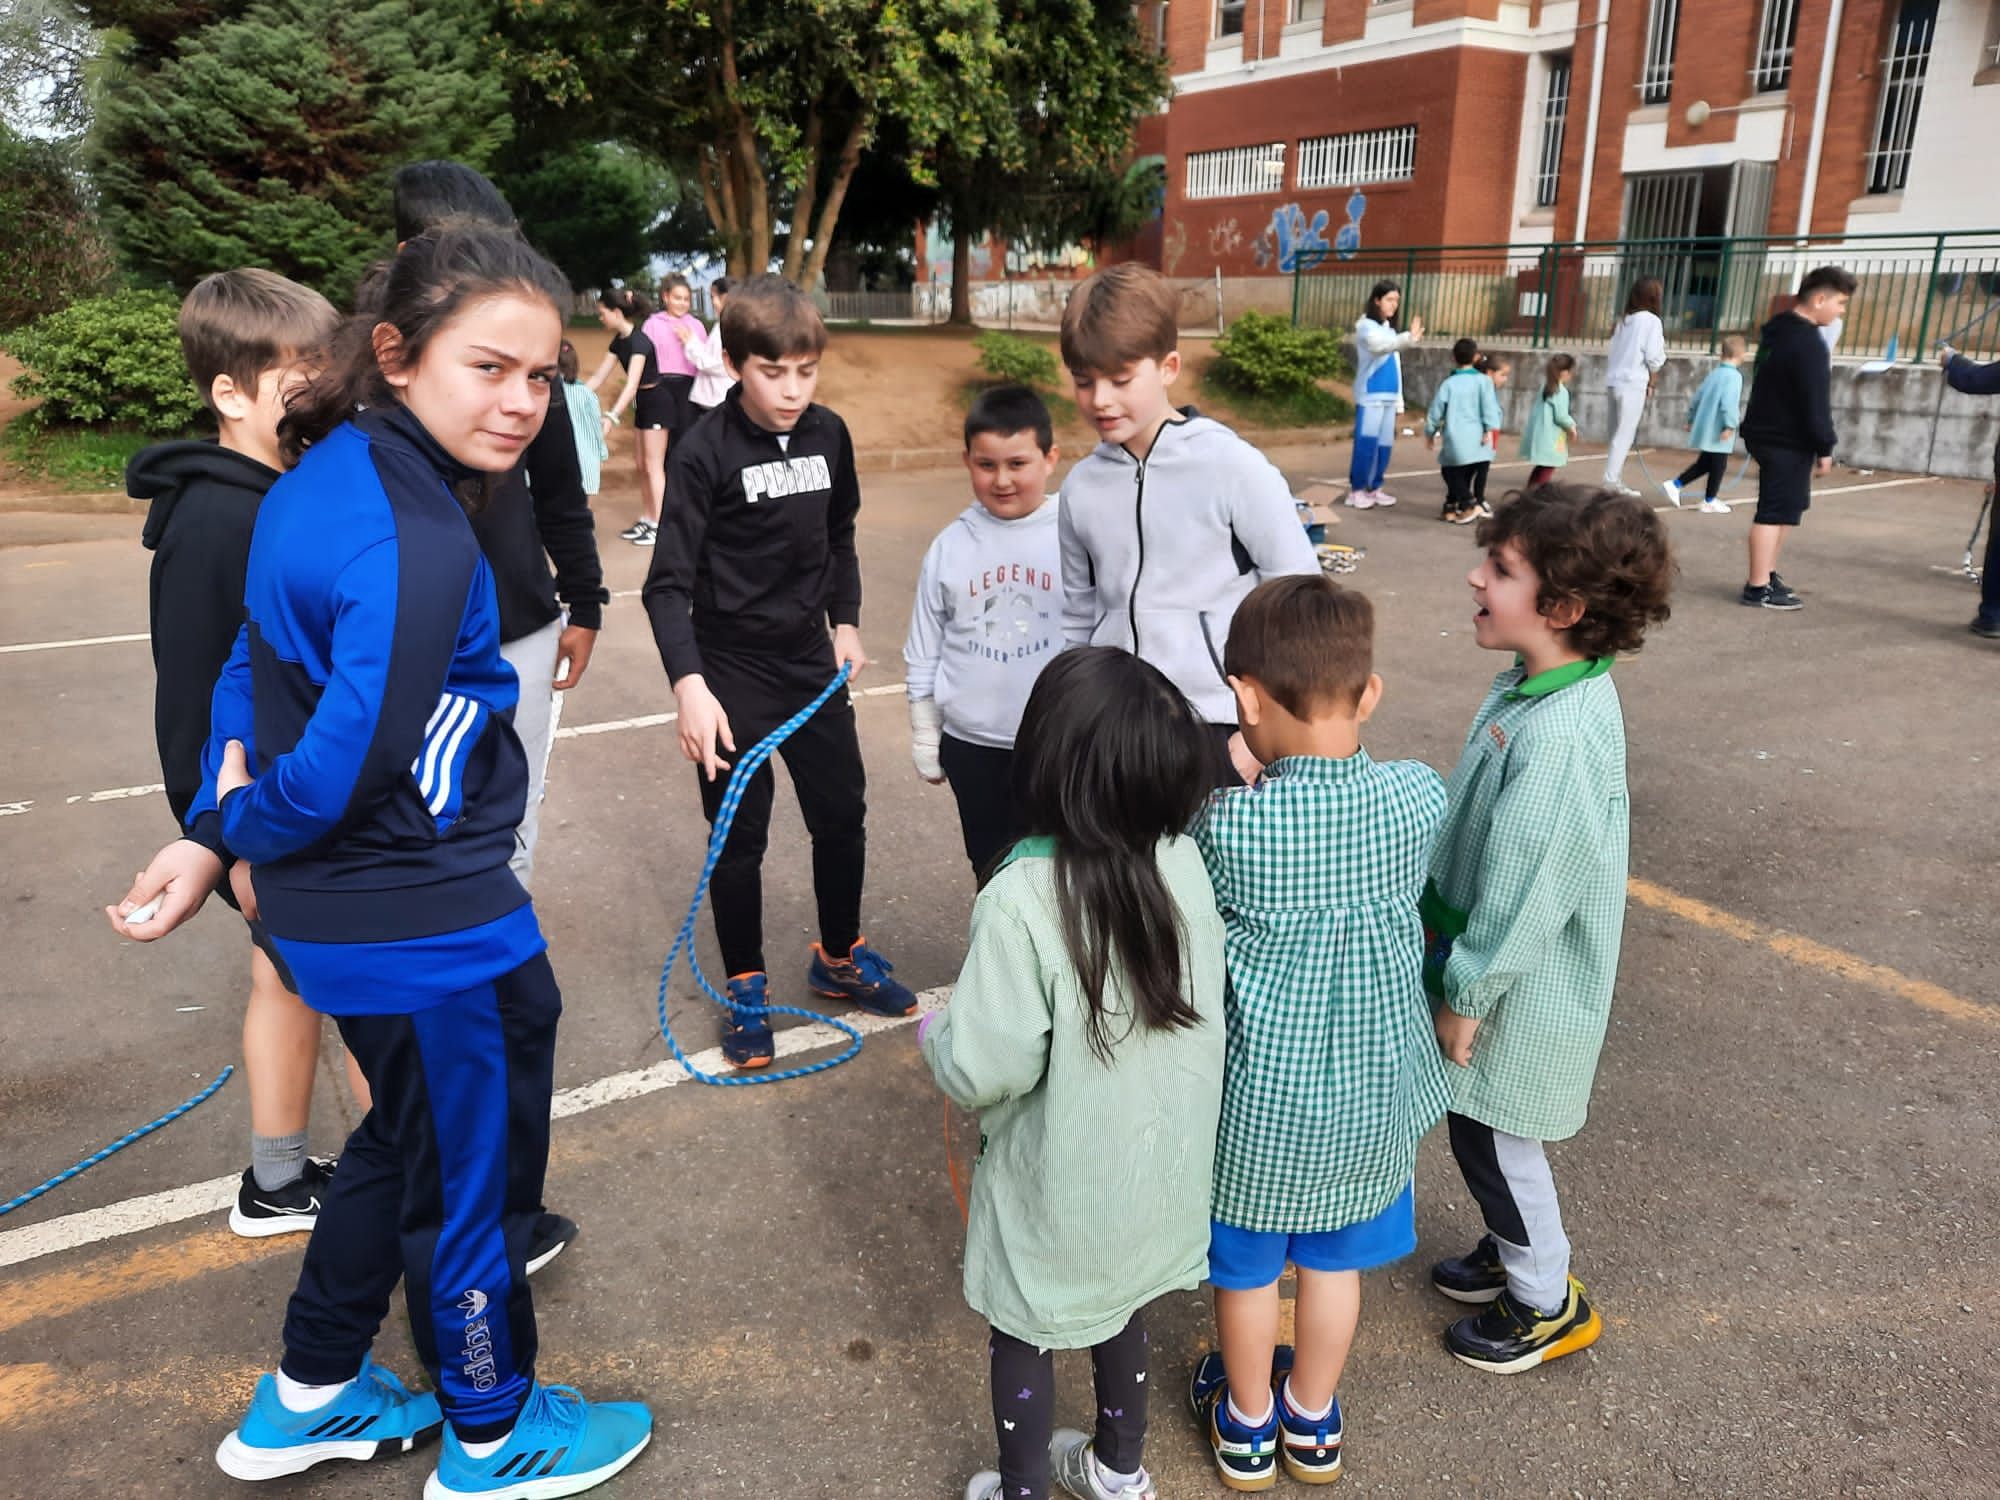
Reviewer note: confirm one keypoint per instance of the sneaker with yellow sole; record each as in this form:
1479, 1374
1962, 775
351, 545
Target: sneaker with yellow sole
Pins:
1509, 1337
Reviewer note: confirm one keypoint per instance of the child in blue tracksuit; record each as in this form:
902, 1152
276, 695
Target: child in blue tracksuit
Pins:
1466, 412
1713, 418
1378, 393
362, 761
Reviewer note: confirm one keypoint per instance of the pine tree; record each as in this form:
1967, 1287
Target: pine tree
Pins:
265, 134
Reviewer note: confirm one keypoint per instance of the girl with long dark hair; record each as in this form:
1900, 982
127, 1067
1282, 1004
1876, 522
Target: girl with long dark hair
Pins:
1086, 1028
362, 759
1378, 392
622, 311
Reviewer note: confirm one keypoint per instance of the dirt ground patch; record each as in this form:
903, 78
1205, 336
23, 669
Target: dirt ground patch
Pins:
900, 390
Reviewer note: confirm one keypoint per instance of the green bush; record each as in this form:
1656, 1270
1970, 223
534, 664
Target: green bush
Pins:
1262, 355
113, 360
1005, 356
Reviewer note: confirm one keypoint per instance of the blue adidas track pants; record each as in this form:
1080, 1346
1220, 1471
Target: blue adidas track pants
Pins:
440, 1186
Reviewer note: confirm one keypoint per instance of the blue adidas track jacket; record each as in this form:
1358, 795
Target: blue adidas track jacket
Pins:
368, 688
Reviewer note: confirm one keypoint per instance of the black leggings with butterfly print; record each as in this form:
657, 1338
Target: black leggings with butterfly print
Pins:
1024, 1407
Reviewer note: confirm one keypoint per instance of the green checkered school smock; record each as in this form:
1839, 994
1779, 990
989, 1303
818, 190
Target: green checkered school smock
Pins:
1333, 1072
1529, 878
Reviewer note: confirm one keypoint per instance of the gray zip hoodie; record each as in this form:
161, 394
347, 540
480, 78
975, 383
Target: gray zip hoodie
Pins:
1156, 555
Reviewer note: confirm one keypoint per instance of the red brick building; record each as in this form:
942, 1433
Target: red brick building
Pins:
1298, 128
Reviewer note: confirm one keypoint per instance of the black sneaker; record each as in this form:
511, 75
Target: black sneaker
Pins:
551, 1237
1508, 1338
1476, 1276
1984, 626
1773, 595
291, 1209
633, 532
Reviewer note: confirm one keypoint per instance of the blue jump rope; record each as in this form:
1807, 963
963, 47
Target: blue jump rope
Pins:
121, 1143
739, 783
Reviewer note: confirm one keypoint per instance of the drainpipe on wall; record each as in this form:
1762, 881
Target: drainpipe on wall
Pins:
1602, 25
1818, 136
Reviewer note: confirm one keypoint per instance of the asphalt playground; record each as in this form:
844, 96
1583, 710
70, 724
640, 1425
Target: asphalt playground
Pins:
1783, 1203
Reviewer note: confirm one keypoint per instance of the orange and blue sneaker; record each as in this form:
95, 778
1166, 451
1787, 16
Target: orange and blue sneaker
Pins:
861, 978
1309, 1447
746, 1038
374, 1416
1510, 1337
1246, 1457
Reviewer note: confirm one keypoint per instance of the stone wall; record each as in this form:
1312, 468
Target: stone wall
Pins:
1884, 421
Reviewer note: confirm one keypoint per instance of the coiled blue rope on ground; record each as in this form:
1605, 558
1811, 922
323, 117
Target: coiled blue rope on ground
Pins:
745, 772
121, 1143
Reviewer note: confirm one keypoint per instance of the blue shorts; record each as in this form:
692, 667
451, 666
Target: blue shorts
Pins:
1241, 1260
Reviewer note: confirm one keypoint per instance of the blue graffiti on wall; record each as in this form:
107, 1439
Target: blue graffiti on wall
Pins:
1348, 239
1300, 243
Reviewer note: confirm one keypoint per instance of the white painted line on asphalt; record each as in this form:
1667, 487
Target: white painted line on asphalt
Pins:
569, 732
89, 640
1844, 489
198, 1199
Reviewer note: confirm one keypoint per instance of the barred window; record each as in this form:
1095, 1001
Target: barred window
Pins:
1656, 78
1775, 36
1903, 71
1555, 115
1362, 156
1238, 171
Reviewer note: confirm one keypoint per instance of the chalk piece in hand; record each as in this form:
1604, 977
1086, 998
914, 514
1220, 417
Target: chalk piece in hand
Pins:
140, 915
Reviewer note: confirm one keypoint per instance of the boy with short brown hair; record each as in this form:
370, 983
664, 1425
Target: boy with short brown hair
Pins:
1172, 519
248, 337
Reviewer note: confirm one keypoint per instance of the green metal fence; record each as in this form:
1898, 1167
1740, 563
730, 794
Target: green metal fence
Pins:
1913, 288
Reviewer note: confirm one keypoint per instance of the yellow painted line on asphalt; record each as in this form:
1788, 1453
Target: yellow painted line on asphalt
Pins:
56, 1294
1809, 954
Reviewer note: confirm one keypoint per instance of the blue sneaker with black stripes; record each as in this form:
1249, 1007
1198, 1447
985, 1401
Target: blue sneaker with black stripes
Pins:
374, 1417
862, 977
561, 1445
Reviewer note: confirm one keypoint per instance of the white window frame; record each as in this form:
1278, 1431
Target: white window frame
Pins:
1656, 72
1236, 171
1302, 11
1358, 157
1904, 68
1777, 33
1225, 10
1555, 123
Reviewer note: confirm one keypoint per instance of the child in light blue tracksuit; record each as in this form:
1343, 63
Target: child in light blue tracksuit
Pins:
1466, 411
1712, 422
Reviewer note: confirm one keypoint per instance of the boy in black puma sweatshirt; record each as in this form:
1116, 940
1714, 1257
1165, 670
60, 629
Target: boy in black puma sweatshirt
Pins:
755, 562
247, 336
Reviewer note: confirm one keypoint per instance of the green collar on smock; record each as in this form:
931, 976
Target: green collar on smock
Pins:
1557, 678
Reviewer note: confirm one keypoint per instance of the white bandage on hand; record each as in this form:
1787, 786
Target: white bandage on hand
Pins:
926, 730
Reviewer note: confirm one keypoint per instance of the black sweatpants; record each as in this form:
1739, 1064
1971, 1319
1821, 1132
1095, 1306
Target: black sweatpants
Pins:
1710, 467
1464, 485
1024, 1407
439, 1187
982, 783
759, 693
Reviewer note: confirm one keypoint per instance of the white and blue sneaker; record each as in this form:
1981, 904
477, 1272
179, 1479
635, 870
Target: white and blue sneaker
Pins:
374, 1417
561, 1445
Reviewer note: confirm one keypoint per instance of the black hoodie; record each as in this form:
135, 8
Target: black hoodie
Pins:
1790, 401
204, 509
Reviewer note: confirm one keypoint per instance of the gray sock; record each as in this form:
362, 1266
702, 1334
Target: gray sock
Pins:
276, 1159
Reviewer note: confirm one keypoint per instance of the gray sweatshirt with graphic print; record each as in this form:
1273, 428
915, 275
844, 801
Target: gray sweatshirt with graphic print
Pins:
1157, 555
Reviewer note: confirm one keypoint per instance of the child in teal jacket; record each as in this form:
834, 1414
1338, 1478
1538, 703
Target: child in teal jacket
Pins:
1466, 411
1545, 438
1712, 424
